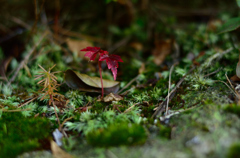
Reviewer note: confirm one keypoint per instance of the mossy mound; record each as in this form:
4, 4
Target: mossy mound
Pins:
118, 134
233, 108
19, 134
234, 151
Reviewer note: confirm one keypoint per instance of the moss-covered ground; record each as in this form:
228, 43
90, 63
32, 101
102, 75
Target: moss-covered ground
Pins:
201, 118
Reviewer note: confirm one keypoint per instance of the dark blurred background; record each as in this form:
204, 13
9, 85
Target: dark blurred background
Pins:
105, 23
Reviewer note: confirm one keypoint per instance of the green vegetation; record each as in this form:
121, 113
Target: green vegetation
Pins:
199, 119
234, 151
20, 134
123, 133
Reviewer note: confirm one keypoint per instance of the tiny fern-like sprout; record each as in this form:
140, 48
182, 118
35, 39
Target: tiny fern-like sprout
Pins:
49, 83
111, 60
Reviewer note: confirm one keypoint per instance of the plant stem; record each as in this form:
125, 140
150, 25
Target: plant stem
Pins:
100, 72
51, 97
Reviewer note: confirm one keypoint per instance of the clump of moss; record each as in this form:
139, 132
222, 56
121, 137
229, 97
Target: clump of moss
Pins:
165, 131
233, 108
234, 151
19, 134
118, 134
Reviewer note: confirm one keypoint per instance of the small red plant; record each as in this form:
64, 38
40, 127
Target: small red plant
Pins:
111, 60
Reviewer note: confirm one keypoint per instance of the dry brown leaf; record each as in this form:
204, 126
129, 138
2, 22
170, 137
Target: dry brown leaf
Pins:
4, 65
112, 97
161, 50
141, 69
77, 45
213, 25
137, 45
87, 83
58, 152
235, 78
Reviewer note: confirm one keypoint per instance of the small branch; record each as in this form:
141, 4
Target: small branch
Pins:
67, 119
171, 95
21, 65
18, 110
128, 109
213, 72
119, 44
54, 106
27, 102
176, 112
169, 85
228, 87
125, 87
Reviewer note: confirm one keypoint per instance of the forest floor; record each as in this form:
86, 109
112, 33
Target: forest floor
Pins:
176, 93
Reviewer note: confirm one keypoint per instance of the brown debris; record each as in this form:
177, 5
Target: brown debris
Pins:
77, 45
112, 97
58, 152
161, 50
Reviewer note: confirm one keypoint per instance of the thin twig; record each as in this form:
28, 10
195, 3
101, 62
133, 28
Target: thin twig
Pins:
119, 44
20, 22
171, 94
228, 87
67, 119
27, 102
37, 14
232, 86
125, 87
26, 59
18, 110
54, 106
177, 112
213, 72
128, 109
229, 81
169, 85
75, 34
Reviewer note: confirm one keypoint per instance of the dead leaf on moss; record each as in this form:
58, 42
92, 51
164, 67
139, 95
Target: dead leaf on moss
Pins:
213, 25
137, 45
161, 50
76, 45
142, 69
87, 83
235, 78
58, 152
112, 97
4, 65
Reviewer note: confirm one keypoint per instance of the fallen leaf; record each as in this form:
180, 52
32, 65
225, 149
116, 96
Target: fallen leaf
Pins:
214, 24
4, 65
142, 69
161, 50
112, 97
137, 45
235, 78
87, 83
58, 152
76, 45
238, 68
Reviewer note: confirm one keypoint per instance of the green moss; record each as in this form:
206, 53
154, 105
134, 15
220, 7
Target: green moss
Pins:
234, 151
118, 134
19, 134
165, 131
233, 108
98, 106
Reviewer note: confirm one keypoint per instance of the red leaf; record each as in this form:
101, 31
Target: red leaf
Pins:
112, 62
92, 52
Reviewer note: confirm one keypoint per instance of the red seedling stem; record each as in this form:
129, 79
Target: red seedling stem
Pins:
100, 72
111, 60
